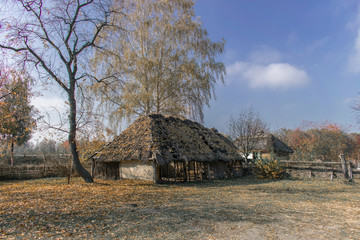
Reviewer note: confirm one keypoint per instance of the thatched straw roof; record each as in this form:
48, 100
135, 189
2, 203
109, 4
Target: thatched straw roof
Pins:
165, 139
270, 143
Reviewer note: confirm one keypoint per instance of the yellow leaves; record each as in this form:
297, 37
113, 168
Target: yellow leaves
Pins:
266, 168
128, 209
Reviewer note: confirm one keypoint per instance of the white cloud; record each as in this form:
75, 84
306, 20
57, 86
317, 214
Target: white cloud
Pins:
44, 104
354, 58
266, 70
237, 68
273, 75
353, 25
265, 55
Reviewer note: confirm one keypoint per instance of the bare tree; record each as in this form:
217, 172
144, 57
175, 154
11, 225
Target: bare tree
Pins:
244, 128
55, 37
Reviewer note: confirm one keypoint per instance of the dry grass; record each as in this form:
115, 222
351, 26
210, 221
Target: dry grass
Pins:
244, 208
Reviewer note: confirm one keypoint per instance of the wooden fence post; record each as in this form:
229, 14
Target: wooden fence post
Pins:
350, 172
344, 166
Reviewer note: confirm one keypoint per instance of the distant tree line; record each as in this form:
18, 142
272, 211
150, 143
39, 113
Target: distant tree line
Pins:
322, 142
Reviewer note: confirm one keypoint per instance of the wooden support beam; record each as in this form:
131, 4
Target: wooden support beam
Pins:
196, 170
184, 171
208, 171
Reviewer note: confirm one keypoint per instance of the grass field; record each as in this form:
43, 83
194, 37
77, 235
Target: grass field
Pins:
244, 208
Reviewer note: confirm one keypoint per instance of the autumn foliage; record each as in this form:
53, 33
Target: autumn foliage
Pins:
16, 122
325, 142
268, 168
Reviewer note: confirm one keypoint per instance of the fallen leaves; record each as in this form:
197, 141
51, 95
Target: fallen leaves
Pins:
53, 209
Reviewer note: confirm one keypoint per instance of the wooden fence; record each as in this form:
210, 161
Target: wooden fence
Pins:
35, 166
36, 159
33, 171
316, 169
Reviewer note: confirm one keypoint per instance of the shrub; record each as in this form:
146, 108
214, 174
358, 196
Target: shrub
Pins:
268, 168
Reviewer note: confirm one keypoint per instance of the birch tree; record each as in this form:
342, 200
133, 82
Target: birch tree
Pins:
165, 57
55, 37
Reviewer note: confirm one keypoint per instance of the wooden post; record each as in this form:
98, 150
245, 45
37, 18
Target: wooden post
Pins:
167, 172
344, 166
350, 172
92, 167
188, 171
197, 171
44, 165
160, 172
208, 171
184, 171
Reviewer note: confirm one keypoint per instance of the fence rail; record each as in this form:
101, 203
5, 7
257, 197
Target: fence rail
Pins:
317, 169
33, 171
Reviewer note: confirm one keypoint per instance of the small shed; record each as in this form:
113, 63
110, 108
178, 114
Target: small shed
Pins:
263, 145
165, 148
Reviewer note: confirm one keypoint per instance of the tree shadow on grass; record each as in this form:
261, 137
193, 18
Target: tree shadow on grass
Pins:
180, 220
241, 181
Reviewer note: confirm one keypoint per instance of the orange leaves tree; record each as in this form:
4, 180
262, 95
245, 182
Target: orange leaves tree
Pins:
318, 141
16, 121
57, 37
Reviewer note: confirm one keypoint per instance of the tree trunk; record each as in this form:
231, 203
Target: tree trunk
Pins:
72, 138
344, 166
12, 153
351, 176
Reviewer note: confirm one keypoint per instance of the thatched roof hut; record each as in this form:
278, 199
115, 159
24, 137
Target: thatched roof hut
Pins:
166, 142
270, 143
266, 144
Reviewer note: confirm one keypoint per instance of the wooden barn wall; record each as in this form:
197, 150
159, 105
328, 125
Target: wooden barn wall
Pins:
198, 171
173, 172
106, 170
124, 170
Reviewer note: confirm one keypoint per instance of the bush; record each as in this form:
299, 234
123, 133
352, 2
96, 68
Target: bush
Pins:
268, 168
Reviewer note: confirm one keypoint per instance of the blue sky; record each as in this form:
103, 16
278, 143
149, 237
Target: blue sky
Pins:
292, 61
